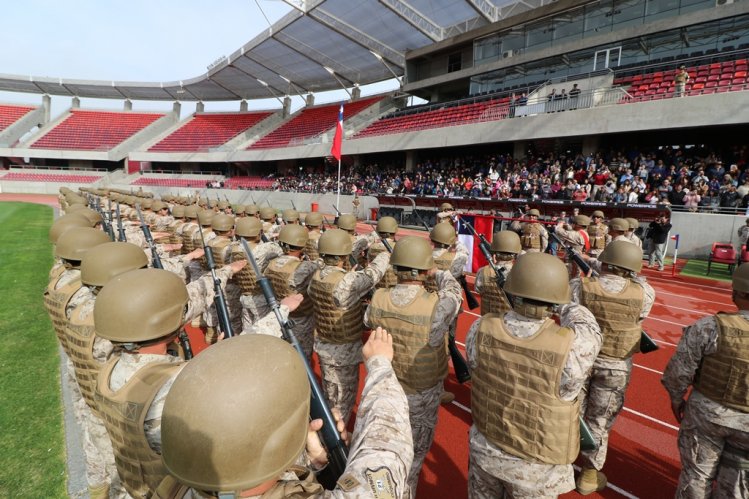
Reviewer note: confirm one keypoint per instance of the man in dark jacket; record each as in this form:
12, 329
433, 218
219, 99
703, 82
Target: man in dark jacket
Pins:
658, 235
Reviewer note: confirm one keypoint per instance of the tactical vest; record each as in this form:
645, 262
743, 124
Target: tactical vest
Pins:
124, 413
515, 394
175, 236
493, 300
279, 275
245, 278
188, 246
531, 237
334, 324
56, 271
267, 227
724, 376
197, 242
597, 234
389, 279
311, 248
218, 246
80, 337
617, 314
55, 301
417, 365
443, 262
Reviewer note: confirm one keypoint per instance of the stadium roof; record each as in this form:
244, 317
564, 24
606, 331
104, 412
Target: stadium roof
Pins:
320, 45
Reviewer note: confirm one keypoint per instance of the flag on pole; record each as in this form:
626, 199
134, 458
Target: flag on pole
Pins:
483, 225
338, 138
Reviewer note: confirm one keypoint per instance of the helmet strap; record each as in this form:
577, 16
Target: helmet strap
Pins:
505, 257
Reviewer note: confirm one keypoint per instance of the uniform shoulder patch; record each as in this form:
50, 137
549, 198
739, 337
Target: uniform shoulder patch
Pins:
381, 483
348, 482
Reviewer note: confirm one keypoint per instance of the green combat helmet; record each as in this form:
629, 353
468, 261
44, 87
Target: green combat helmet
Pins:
536, 282
623, 255
313, 219
335, 242
264, 381
387, 226
506, 241
294, 236
443, 234
248, 227
75, 242
108, 260
347, 222
411, 255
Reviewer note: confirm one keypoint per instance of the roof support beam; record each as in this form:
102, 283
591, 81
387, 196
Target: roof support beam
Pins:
315, 56
487, 9
415, 19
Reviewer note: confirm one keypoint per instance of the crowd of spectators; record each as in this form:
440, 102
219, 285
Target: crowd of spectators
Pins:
689, 178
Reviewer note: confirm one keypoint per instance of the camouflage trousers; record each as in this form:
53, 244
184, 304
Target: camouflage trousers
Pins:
701, 444
493, 473
232, 293
340, 374
304, 329
422, 412
603, 399
254, 307
100, 465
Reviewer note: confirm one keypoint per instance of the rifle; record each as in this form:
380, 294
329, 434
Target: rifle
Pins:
184, 341
647, 344
155, 258
331, 439
120, 230
485, 247
218, 298
109, 219
105, 221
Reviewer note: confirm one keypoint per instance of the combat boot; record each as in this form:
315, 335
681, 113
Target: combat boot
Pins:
99, 491
590, 480
446, 398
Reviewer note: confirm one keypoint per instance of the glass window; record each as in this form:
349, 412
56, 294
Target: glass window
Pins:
513, 40
454, 62
598, 18
660, 9
486, 49
539, 34
569, 25
628, 13
693, 5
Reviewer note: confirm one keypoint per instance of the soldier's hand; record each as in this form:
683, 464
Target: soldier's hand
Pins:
171, 247
197, 253
380, 342
237, 266
292, 302
677, 407
315, 451
159, 235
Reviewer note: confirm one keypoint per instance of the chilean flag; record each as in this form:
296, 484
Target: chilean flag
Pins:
338, 138
483, 225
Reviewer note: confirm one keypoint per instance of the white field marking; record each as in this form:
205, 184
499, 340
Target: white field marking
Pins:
692, 298
610, 485
681, 308
648, 369
667, 322
651, 418
659, 278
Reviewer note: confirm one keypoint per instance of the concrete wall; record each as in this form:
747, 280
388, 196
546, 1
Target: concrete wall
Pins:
697, 232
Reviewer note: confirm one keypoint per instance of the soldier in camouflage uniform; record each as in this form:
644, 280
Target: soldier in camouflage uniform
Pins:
313, 223
387, 228
633, 225
619, 301
162, 218
221, 248
598, 234
141, 312
289, 274
533, 236
336, 296
446, 213
419, 321
381, 449
576, 237
252, 210
505, 248
253, 302
268, 216
714, 434
618, 228
525, 434
359, 242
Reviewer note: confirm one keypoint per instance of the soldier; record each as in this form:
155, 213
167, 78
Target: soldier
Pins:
619, 301
268, 216
223, 206
313, 223
336, 296
533, 237
57, 228
505, 248
177, 225
161, 219
221, 247
252, 210
598, 234
446, 213
204, 220
237, 453
253, 302
88, 352
289, 274
525, 435
238, 210
714, 434
387, 228
142, 312
189, 229
633, 238
359, 242
576, 237
419, 321
618, 228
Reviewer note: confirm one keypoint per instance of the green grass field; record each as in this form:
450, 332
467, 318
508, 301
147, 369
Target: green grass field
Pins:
698, 268
32, 460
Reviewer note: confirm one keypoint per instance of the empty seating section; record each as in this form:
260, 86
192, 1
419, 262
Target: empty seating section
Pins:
51, 177
248, 183
173, 182
461, 114
95, 130
716, 77
311, 122
11, 114
205, 131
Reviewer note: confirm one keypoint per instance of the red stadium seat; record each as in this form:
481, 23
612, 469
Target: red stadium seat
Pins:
744, 255
723, 253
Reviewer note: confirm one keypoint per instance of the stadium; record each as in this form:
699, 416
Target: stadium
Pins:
499, 107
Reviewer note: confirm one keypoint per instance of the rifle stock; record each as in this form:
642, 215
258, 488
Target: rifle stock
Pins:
331, 439
120, 229
218, 299
155, 258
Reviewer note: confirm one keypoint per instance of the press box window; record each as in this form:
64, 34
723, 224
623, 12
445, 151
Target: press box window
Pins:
454, 62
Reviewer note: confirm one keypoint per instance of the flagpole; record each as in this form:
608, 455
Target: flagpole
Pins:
338, 195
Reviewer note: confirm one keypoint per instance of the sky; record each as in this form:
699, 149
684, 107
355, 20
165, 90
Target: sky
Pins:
134, 40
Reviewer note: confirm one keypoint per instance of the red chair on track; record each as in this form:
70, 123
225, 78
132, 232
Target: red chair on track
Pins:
743, 255
723, 253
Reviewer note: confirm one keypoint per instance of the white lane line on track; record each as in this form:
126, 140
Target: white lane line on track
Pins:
705, 314
651, 418
658, 292
667, 322
671, 281
610, 485
648, 369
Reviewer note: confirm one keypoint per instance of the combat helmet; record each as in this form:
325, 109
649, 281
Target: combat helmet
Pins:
64, 223
107, 260
290, 216
335, 242
267, 213
387, 226
623, 255
265, 382
75, 242
507, 242
446, 207
293, 235
248, 227
313, 219
347, 222
222, 223
411, 255
619, 224
443, 234
536, 282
